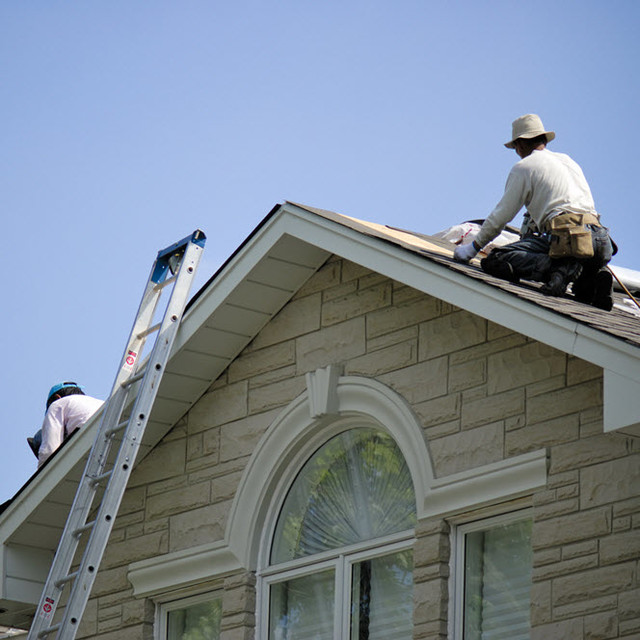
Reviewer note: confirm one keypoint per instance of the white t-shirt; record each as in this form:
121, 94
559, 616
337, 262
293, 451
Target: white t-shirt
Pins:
63, 417
544, 182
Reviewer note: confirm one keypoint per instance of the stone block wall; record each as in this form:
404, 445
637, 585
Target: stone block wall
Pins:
483, 393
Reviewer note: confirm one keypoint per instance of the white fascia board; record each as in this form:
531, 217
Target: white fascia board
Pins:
466, 293
56, 472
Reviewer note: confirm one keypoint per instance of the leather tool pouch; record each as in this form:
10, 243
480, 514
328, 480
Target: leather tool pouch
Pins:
570, 237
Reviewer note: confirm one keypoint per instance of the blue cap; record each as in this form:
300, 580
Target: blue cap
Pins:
59, 387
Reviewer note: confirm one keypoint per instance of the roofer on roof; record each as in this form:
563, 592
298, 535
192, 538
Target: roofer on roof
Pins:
562, 238
68, 408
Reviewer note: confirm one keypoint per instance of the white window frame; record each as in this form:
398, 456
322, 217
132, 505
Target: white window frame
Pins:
164, 608
342, 558
341, 561
459, 532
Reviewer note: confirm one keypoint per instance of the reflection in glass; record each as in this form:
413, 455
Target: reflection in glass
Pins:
355, 488
302, 608
382, 598
197, 622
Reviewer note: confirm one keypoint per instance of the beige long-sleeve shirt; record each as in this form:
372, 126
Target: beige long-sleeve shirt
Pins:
544, 182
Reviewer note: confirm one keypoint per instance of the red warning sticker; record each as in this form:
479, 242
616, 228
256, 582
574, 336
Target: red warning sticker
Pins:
47, 608
130, 360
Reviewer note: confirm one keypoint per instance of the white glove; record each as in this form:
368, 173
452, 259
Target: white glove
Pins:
464, 252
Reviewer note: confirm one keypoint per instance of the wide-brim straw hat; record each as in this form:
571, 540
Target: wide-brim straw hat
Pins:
528, 126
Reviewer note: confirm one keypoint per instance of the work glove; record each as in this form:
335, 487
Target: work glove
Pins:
464, 252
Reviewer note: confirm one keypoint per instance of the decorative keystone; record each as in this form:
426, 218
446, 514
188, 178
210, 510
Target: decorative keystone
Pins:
322, 388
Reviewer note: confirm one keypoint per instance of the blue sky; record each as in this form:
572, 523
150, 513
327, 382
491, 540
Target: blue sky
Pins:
128, 124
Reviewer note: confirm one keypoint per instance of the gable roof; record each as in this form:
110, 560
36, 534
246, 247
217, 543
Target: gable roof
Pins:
261, 276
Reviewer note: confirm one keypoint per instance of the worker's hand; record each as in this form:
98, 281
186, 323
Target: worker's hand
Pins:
464, 252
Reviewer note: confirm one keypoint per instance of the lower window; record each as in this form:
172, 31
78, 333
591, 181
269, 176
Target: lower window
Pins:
196, 618
493, 579
378, 601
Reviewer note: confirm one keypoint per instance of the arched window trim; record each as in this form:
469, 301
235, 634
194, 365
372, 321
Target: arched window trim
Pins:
304, 425
297, 433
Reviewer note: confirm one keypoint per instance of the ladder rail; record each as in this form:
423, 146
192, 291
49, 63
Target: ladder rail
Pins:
127, 453
181, 259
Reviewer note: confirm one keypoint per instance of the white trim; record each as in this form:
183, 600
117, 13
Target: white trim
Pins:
67, 461
366, 547
293, 435
322, 386
621, 402
182, 568
493, 483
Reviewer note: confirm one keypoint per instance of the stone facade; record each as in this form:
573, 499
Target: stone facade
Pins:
482, 393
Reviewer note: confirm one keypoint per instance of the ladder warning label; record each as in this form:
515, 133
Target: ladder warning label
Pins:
130, 360
47, 608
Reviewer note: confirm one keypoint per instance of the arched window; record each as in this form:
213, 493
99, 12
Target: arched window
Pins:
340, 562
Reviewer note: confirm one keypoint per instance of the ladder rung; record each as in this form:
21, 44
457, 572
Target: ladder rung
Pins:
100, 478
86, 527
149, 331
166, 282
67, 578
129, 381
115, 429
48, 630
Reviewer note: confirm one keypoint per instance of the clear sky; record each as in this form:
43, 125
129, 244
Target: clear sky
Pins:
128, 124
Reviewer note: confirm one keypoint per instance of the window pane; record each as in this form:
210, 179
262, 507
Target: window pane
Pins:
382, 598
354, 488
198, 622
498, 582
302, 608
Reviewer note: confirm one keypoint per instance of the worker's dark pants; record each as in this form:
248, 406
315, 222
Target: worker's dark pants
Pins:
528, 258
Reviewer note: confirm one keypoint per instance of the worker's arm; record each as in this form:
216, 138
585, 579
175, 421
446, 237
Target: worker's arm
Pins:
52, 432
515, 195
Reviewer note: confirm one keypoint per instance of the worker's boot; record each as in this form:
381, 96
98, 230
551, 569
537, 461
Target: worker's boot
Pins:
603, 294
595, 289
556, 285
560, 277
584, 288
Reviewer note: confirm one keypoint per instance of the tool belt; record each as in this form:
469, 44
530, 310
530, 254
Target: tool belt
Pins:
570, 235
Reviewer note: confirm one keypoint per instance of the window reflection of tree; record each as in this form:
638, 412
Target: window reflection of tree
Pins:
355, 488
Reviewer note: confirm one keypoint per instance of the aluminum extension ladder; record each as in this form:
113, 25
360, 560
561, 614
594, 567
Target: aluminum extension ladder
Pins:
117, 442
